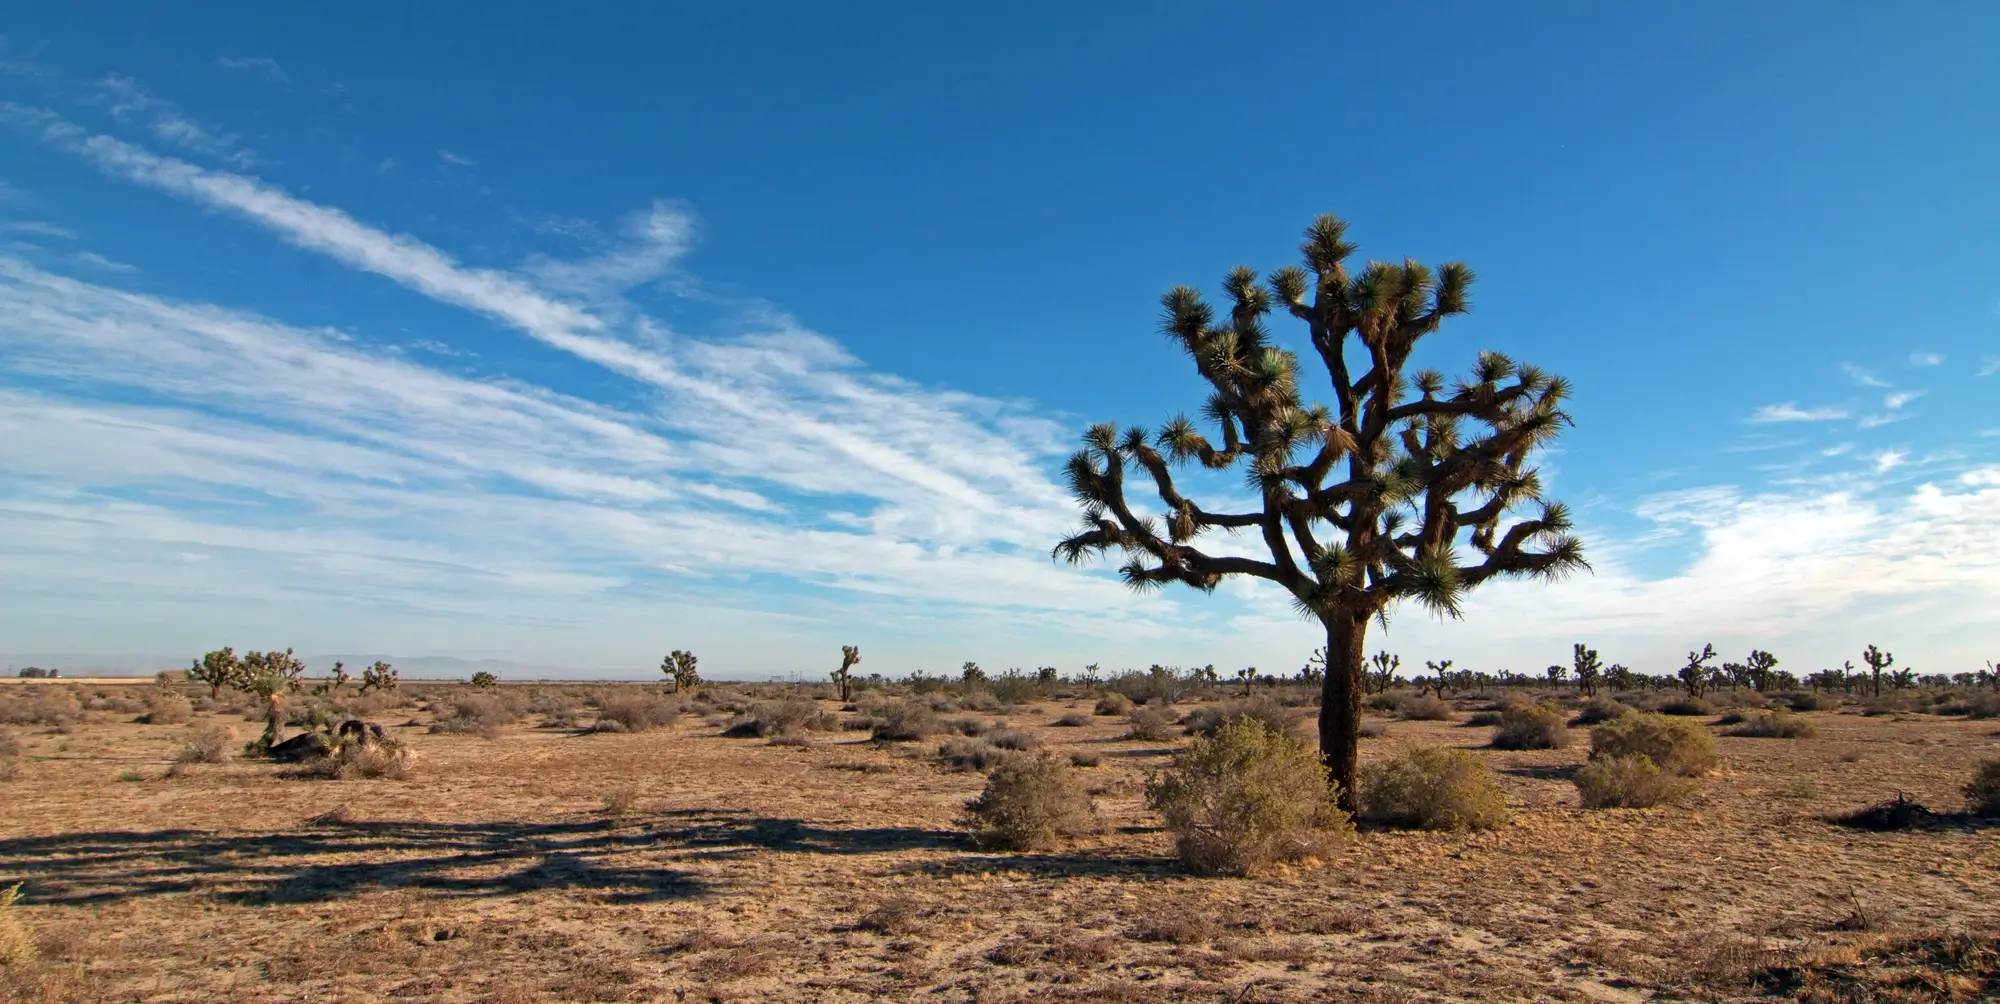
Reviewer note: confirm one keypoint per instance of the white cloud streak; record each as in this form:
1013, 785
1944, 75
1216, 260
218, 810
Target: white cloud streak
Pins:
1791, 412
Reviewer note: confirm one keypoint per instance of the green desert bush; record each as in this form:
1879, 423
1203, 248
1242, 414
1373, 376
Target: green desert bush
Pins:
1245, 796
1599, 709
634, 712
1031, 803
1425, 708
904, 721
1776, 725
1525, 726
1113, 704
1152, 724
1628, 781
1982, 793
1433, 788
1682, 748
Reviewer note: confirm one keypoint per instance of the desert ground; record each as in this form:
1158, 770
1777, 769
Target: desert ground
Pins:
678, 863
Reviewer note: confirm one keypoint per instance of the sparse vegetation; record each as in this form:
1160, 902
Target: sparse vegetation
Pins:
1245, 796
1776, 725
1151, 724
1679, 747
1425, 708
164, 707
1113, 704
17, 942
1525, 726
1982, 793
1627, 781
635, 712
1031, 803
1433, 788
474, 714
904, 721
206, 744
1599, 709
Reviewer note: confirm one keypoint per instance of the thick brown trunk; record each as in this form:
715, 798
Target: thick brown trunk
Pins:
274, 710
1340, 703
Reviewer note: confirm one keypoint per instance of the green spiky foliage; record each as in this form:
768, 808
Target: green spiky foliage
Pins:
1557, 674
681, 668
1440, 679
218, 669
380, 676
1760, 670
1380, 672
484, 680
1695, 675
1401, 488
1583, 662
850, 656
270, 675
1877, 661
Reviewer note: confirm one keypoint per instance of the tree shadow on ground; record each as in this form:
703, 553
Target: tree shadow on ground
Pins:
623, 861
1078, 864
1549, 772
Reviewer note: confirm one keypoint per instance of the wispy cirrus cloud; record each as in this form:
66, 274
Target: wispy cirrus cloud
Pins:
1791, 412
130, 103
1897, 399
1862, 376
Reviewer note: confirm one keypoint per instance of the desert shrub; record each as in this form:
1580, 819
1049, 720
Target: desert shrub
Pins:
1982, 793
1072, 720
1113, 703
1433, 788
1030, 803
1629, 781
965, 725
1737, 699
53, 706
1599, 709
10, 755
17, 942
904, 721
1806, 700
1374, 728
961, 753
1085, 758
355, 761
473, 714
1678, 747
1209, 719
1525, 726
1245, 796
562, 718
787, 717
986, 701
1425, 708
206, 744
1732, 717
1776, 725
1482, 718
634, 712
1983, 704
1383, 702
165, 707
1012, 739
1687, 706
1150, 724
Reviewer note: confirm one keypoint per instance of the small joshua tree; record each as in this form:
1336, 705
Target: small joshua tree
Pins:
271, 675
1694, 675
850, 655
1760, 668
971, 675
1877, 661
1557, 674
1381, 671
380, 676
218, 669
1441, 676
679, 667
484, 680
1247, 676
336, 681
1583, 660
1361, 504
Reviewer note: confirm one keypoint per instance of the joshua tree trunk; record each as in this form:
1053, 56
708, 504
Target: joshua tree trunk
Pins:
274, 710
1340, 702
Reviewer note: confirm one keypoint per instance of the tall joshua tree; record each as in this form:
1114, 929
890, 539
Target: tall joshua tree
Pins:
218, 669
1583, 659
1877, 661
850, 656
1361, 503
270, 675
682, 669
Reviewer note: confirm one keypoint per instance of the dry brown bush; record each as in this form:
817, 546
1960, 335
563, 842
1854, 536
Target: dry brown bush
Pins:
357, 761
970, 754
1433, 788
206, 744
1776, 725
904, 721
1150, 724
1425, 708
1030, 803
1630, 781
39, 705
635, 712
474, 714
788, 717
1599, 709
1207, 720
1525, 726
1982, 793
1113, 704
164, 707
1072, 720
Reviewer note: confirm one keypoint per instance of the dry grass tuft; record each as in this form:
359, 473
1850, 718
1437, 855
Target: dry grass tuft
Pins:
1030, 803
1247, 797
17, 942
1433, 788
168, 708
898, 918
1775, 725
206, 744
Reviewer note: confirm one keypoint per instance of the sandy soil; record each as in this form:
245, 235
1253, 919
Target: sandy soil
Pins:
740, 870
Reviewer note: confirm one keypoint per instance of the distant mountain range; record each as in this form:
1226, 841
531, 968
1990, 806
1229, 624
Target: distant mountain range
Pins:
426, 667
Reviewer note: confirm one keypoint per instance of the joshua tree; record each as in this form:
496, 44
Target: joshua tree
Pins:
1247, 676
1418, 477
218, 669
1760, 668
1903, 679
270, 675
1090, 674
971, 675
680, 667
850, 656
484, 680
1991, 676
1441, 676
380, 676
1877, 661
1381, 671
1557, 674
1584, 661
336, 681
1694, 675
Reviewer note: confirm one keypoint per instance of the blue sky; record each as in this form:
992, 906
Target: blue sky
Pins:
571, 337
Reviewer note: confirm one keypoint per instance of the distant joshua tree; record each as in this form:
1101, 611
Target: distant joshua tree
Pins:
1440, 677
334, 682
1583, 660
380, 676
270, 675
484, 680
1381, 671
1877, 661
850, 656
680, 668
218, 669
1695, 675
1760, 668
1363, 503
971, 675
1557, 674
